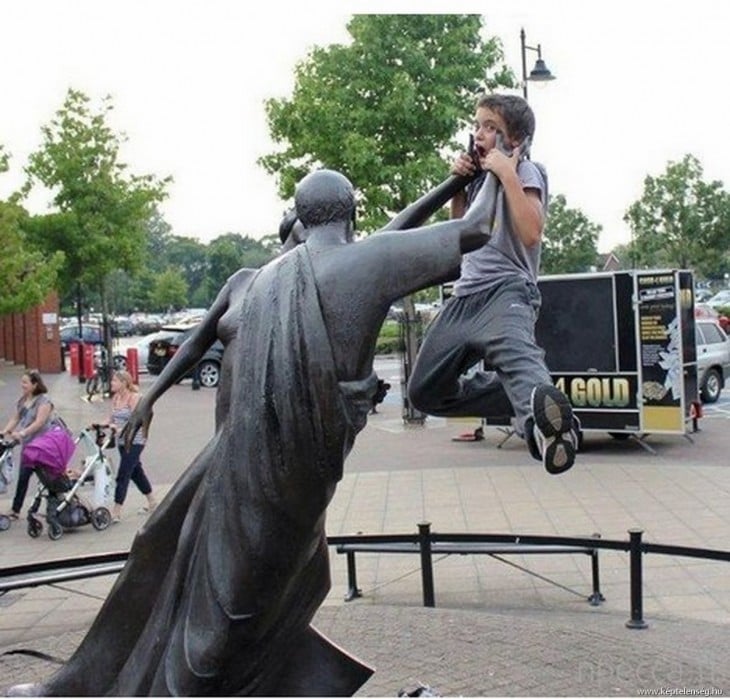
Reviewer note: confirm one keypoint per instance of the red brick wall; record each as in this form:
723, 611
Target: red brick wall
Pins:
19, 338
27, 341
9, 343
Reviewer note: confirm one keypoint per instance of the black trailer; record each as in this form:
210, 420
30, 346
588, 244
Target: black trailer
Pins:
621, 346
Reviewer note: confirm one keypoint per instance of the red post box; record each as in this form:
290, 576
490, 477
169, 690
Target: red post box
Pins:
74, 358
133, 363
88, 360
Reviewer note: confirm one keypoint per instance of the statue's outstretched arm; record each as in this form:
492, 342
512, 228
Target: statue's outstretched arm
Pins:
191, 351
421, 210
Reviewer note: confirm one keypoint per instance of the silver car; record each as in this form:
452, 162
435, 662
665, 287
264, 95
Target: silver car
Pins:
713, 359
720, 299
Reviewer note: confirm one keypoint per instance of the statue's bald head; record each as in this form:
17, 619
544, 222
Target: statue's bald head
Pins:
324, 196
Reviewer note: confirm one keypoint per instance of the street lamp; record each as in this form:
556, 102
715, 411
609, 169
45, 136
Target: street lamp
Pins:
540, 72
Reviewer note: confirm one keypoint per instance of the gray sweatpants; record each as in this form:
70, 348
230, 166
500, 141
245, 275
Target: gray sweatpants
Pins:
496, 325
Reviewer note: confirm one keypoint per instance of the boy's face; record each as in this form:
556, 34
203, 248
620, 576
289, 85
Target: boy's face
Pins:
486, 126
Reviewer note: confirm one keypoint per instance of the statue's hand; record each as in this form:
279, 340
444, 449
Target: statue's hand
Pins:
141, 418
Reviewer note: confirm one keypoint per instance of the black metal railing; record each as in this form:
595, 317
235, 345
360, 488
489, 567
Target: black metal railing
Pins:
424, 542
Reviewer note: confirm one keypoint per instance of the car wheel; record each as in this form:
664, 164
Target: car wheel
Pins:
711, 386
209, 373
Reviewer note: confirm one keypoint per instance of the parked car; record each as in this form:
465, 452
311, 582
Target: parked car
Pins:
713, 359
702, 310
164, 347
89, 333
720, 299
122, 327
142, 346
702, 295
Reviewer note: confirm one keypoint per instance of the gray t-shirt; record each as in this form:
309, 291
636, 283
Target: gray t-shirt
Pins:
504, 255
28, 413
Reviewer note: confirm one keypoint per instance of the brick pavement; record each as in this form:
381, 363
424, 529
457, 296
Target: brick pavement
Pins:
497, 630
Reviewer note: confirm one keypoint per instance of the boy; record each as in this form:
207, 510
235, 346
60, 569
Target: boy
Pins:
496, 300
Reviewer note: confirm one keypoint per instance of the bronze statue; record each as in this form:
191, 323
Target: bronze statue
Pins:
225, 577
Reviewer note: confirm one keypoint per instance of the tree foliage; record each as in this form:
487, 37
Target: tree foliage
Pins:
570, 240
681, 221
28, 276
101, 209
231, 251
170, 290
385, 109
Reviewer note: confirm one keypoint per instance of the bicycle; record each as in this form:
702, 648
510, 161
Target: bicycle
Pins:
100, 380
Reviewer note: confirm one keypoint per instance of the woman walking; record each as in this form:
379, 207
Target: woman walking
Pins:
32, 418
125, 396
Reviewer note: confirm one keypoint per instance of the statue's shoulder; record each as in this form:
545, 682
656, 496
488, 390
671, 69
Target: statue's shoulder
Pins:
241, 276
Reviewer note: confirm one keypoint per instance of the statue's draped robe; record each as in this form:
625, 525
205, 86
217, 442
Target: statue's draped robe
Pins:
224, 579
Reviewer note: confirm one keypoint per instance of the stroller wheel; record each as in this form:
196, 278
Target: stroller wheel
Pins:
101, 518
55, 531
4, 523
35, 527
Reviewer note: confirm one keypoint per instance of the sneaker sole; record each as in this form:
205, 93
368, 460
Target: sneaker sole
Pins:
553, 417
558, 455
551, 410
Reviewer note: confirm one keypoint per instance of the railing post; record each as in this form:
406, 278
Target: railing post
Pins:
637, 604
352, 589
596, 597
424, 540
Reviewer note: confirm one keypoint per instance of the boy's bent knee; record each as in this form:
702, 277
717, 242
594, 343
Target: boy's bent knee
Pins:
422, 399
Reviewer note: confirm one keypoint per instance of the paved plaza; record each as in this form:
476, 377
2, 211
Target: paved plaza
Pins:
520, 626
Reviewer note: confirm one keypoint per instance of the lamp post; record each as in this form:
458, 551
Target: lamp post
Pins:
540, 72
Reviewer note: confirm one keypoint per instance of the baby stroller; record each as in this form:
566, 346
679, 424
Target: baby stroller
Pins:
6, 475
65, 507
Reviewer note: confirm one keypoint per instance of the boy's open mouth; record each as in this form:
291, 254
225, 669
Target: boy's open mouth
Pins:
481, 150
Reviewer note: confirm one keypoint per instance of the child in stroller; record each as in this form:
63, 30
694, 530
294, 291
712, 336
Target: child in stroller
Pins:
65, 508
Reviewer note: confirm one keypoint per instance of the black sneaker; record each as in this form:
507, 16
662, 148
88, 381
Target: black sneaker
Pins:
530, 440
555, 429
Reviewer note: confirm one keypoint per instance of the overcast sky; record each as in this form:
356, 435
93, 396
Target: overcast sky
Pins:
638, 83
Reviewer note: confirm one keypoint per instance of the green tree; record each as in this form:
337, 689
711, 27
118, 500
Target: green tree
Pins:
570, 240
681, 221
385, 109
28, 276
170, 290
190, 256
159, 236
102, 210
229, 252
623, 253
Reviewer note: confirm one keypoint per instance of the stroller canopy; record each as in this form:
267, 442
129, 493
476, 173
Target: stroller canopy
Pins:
52, 450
